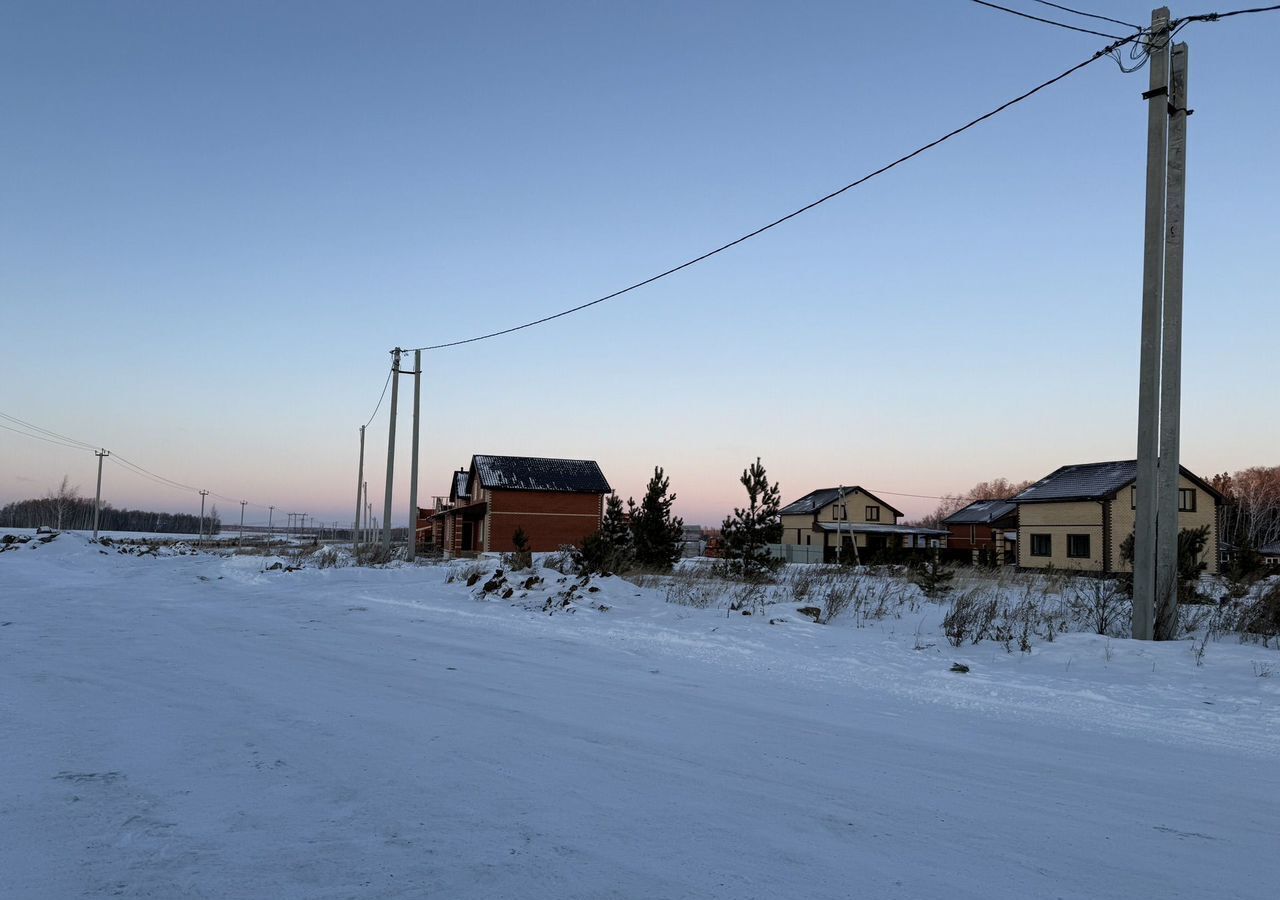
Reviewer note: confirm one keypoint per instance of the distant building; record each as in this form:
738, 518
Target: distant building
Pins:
1078, 516
554, 501
988, 528
839, 519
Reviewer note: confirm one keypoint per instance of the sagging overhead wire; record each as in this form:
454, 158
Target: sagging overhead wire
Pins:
1115, 45
380, 398
1015, 12
1089, 15
52, 437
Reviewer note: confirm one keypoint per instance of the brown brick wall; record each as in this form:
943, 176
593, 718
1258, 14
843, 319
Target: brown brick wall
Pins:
550, 519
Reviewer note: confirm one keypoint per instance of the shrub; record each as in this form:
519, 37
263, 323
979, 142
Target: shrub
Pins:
1100, 605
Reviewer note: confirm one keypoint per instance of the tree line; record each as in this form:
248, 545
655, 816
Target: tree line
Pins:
64, 509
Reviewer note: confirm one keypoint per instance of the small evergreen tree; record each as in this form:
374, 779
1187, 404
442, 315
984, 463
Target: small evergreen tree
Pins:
747, 532
934, 579
609, 549
522, 558
656, 535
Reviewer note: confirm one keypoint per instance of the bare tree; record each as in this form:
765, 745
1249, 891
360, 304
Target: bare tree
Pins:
63, 501
1251, 514
995, 489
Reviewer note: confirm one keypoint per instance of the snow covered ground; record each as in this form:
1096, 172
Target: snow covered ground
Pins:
201, 726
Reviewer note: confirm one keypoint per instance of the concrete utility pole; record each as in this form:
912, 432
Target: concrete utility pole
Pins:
200, 538
1167, 505
391, 453
1144, 531
97, 497
271, 512
1155, 564
413, 464
240, 537
355, 531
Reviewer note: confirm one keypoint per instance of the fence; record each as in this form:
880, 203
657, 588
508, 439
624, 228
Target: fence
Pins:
796, 553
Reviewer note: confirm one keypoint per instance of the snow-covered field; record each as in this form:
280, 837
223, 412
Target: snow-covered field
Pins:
200, 726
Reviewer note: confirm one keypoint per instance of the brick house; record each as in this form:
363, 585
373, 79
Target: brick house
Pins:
1078, 516
987, 528
555, 502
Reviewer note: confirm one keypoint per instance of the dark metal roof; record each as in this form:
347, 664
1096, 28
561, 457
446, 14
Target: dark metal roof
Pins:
1093, 481
981, 512
461, 486
823, 497
532, 473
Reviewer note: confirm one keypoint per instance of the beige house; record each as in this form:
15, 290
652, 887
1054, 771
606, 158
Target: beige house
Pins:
1077, 517
840, 517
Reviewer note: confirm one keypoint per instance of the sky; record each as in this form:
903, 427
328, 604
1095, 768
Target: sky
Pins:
217, 219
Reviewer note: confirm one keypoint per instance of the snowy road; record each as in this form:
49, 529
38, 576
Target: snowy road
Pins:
191, 728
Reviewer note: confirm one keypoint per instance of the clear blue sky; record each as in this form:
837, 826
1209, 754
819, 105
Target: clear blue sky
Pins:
215, 220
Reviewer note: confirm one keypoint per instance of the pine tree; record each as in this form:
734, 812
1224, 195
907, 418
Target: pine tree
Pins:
656, 535
747, 532
609, 548
614, 528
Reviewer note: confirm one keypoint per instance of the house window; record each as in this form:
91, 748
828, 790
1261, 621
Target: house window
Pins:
873, 514
1078, 546
840, 511
1186, 499
1042, 545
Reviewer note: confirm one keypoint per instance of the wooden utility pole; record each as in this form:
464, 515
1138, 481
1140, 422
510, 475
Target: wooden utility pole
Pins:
97, 497
355, 532
391, 454
413, 464
1144, 532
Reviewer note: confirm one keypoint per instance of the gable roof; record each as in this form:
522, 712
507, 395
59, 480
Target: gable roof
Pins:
824, 497
533, 473
1094, 481
981, 512
461, 485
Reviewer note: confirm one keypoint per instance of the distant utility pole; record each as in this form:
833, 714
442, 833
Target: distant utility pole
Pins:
1155, 538
97, 497
271, 512
355, 532
413, 465
240, 537
200, 538
391, 453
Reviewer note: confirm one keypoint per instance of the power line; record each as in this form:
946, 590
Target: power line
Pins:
46, 431
380, 396
1089, 15
45, 439
1047, 21
1214, 17
1119, 42
62, 440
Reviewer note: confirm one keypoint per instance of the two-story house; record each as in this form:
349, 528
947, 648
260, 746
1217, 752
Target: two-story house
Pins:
1079, 516
553, 501
841, 518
